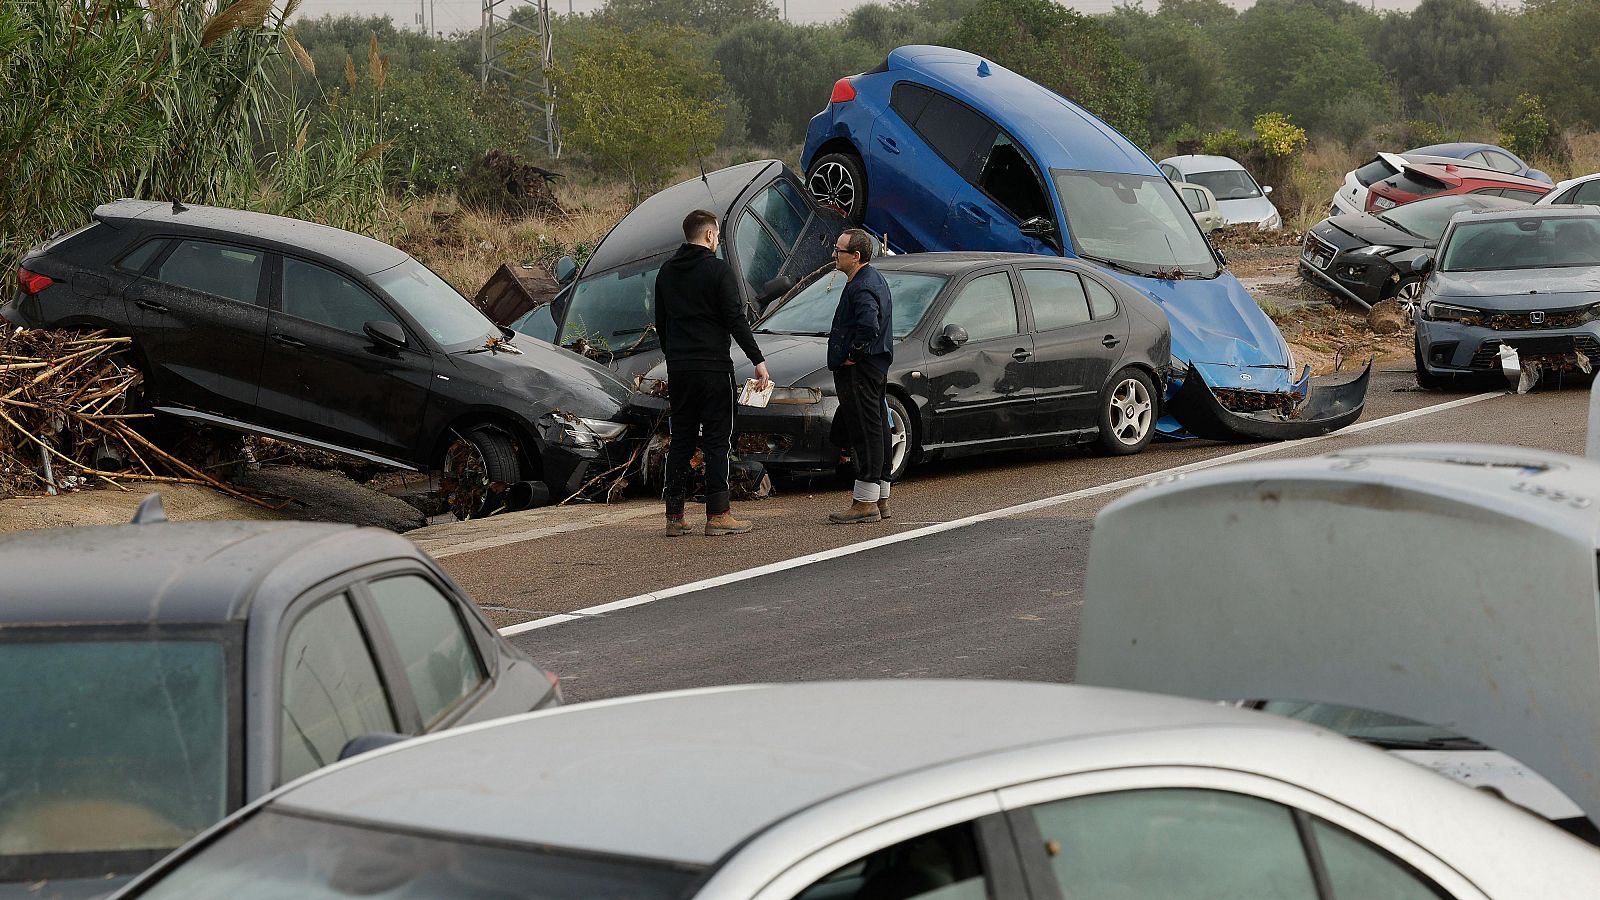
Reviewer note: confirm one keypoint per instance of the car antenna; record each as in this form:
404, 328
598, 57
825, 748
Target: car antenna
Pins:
178, 207
150, 511
706, 181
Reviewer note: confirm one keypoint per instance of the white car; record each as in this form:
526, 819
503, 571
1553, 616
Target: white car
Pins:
956, 790
1585, 189
1351, 197
1202, 205
1240, 199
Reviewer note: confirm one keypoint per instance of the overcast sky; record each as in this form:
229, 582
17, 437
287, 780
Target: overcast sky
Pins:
459, 15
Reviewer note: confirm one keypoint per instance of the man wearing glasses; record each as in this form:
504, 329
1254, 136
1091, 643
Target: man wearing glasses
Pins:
860, 349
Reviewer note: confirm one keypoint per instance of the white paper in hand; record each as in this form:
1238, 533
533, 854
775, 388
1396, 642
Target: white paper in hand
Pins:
753, 398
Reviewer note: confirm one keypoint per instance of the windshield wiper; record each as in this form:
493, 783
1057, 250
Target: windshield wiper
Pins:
1104, 261
1383, 218
1443, 743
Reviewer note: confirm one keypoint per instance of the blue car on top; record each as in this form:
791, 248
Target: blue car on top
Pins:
939, 149
1487, 156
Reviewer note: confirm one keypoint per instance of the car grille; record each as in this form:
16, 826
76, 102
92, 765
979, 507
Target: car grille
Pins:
1486, 357
1523, 321
1488, 352
1318, 252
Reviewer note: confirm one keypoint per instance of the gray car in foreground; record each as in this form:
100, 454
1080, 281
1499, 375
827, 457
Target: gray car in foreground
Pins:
1523, 284
881, 789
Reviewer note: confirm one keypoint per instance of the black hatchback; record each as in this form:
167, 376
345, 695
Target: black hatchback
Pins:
325, 338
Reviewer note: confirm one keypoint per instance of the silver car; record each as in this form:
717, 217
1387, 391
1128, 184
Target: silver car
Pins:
872, 790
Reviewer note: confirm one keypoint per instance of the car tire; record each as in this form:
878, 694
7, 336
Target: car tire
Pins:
1425, 379
1128, 413
902, 439
839, 181
478, 467
1408, 293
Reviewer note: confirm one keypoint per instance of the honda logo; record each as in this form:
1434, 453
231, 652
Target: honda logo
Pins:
1536, 317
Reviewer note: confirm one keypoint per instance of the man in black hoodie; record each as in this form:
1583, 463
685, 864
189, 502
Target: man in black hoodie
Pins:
698, 313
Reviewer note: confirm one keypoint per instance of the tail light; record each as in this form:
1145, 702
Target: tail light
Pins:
843, 91
33, 282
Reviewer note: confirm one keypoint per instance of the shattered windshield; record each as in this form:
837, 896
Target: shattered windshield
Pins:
1530, 243
1226, 184
811, 310
1136, 222
448, 317
615, 311
109, 747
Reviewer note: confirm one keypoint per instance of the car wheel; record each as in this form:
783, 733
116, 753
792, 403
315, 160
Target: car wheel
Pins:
1127, 413
902, 439
838, 181
478, 467
1426, 379
1409, 295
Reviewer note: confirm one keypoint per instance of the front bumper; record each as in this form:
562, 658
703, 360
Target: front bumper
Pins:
1452, 348
786, 438
1230, 414
1361, 277
570, 470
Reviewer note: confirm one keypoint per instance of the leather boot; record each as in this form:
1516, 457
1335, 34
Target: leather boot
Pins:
725, 523
883, 509
859, 511
677, 527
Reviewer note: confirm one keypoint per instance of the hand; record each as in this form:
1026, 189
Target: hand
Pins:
849, 362
763, 379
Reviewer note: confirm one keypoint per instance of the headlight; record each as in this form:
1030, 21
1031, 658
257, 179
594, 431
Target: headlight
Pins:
1379, 250
576, 431
1383, 203
795, 395
1271, 223
1444, 312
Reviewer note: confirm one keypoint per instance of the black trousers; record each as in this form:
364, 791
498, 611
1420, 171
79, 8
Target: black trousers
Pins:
861, 407
702, 413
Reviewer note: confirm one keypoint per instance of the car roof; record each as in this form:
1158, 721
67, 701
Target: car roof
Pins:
1059, 133
1198, 162
950, 262
1552, 211
689, 776
169, 572
1464, 148
1561, 186
656, 225
335, 244
1459, 173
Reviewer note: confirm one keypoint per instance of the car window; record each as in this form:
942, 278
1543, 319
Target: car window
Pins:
1102, 304
986, 308
1501, 161
1057, 298
1488, 192
811, 310
538, 322
443, 313
1477, 158
909, 100
952, 129
1355, 868
1008, 177
1175, 844
440, 659
616, 310
217, 269
1514, 194
323, 296
1588, 192
1527, 243
1377, 170
1134, 220
1227, 184
1172, 173
940, 865
138, 259
760, 259
1413, 182
782, 209
1193, 199
331, 689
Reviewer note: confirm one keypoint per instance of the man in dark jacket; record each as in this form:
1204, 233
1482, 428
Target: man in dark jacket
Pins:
698, 312
860, 349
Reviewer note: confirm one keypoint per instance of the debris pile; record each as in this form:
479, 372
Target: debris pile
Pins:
66, 421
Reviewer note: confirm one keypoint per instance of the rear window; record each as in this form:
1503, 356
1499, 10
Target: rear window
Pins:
273, 855
1377, 170
57, 242
1417, 183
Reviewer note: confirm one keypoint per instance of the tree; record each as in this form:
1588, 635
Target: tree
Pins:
782, 73
1555, 44
711, 17
1069, 53
638, 106
1182, 64
1304, 60
1443, 46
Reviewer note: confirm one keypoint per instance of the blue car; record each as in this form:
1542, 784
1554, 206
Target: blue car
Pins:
938, 149
1487, 156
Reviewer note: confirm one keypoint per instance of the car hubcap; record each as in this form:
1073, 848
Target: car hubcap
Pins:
466, 479
1131, 412
899, 440
832, 185
1408, 295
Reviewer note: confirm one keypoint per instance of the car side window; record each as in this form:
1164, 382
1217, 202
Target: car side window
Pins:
1102, 303
941, 865
323, 296
1056, 297
331, 691
441, 661
952, 129
760, 259
1588, 192
1008, 177
909, 100
218, 269
1172, 173
138, 259
784, 212
1355, 868
1501, 161
986, 308
1514, 194
1193, 199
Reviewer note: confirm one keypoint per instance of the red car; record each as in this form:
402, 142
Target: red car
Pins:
1419, 180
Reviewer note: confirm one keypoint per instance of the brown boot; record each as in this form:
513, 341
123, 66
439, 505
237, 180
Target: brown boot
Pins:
859, 511
725, 523
677, 527
883, 509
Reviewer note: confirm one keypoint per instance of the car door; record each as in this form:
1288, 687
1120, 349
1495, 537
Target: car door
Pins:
1001, 189
977, 392
1078, 333
199, 318
779, 233
326, 380
915, 156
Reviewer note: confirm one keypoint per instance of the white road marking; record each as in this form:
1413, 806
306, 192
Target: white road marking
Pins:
1019, 509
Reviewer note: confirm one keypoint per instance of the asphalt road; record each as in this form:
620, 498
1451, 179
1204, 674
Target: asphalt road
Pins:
995, 599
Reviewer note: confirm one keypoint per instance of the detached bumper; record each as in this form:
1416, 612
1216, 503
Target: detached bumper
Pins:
568, 469
787, 439
1262, 416
1451, 348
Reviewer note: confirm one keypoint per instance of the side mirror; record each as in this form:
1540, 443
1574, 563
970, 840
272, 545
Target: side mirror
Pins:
566, 268
1222, 258
1422, 264
385, 334
1267, 189
367, 742
774, 289
1038, 227
952, 337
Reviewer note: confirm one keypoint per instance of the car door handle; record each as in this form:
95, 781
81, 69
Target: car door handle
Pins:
973, 212
889, 144
1022, 354
1110, 340
288, 341
150, 305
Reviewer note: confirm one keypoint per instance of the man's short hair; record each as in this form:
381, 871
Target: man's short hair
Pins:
695, 223
860, 242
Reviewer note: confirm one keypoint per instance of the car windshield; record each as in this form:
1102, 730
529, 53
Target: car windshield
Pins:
1377, 728
811, 310
448, 317
615, 311
1133, 221
1427, 218
1226, 184
111, 748
537, 322
273, 855
1524, 243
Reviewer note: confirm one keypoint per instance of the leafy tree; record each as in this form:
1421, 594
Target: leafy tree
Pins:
1206, 14
1555, 44
1185, 69
1069, 53
782, 73
1303, 59
706, 16
1444, 45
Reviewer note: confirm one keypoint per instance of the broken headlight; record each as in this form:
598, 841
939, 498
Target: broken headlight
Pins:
795, 395
576, 431
1444, 312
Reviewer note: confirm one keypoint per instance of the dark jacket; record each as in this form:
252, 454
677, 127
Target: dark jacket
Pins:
863, 325
698, 309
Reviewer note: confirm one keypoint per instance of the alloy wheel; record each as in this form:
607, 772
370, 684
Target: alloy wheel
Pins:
1132, 413
899, 440
832, 185
1408, 295
466, 479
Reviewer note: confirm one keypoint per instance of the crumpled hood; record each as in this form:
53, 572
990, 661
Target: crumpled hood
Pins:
1216, 321
1354, 231
1520, 288
549, 374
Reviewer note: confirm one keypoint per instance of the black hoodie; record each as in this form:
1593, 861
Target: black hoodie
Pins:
698, 309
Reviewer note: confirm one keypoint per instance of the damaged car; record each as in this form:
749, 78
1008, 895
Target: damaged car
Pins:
328, 339
1418, 180
1515, 290
939, 149
993, 351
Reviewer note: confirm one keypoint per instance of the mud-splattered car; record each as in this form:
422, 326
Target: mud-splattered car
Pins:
329, 339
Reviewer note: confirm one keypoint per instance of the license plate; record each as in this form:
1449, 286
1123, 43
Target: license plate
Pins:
1317, 259
1544, 346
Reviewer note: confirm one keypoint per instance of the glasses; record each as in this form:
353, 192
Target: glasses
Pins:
839, 250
